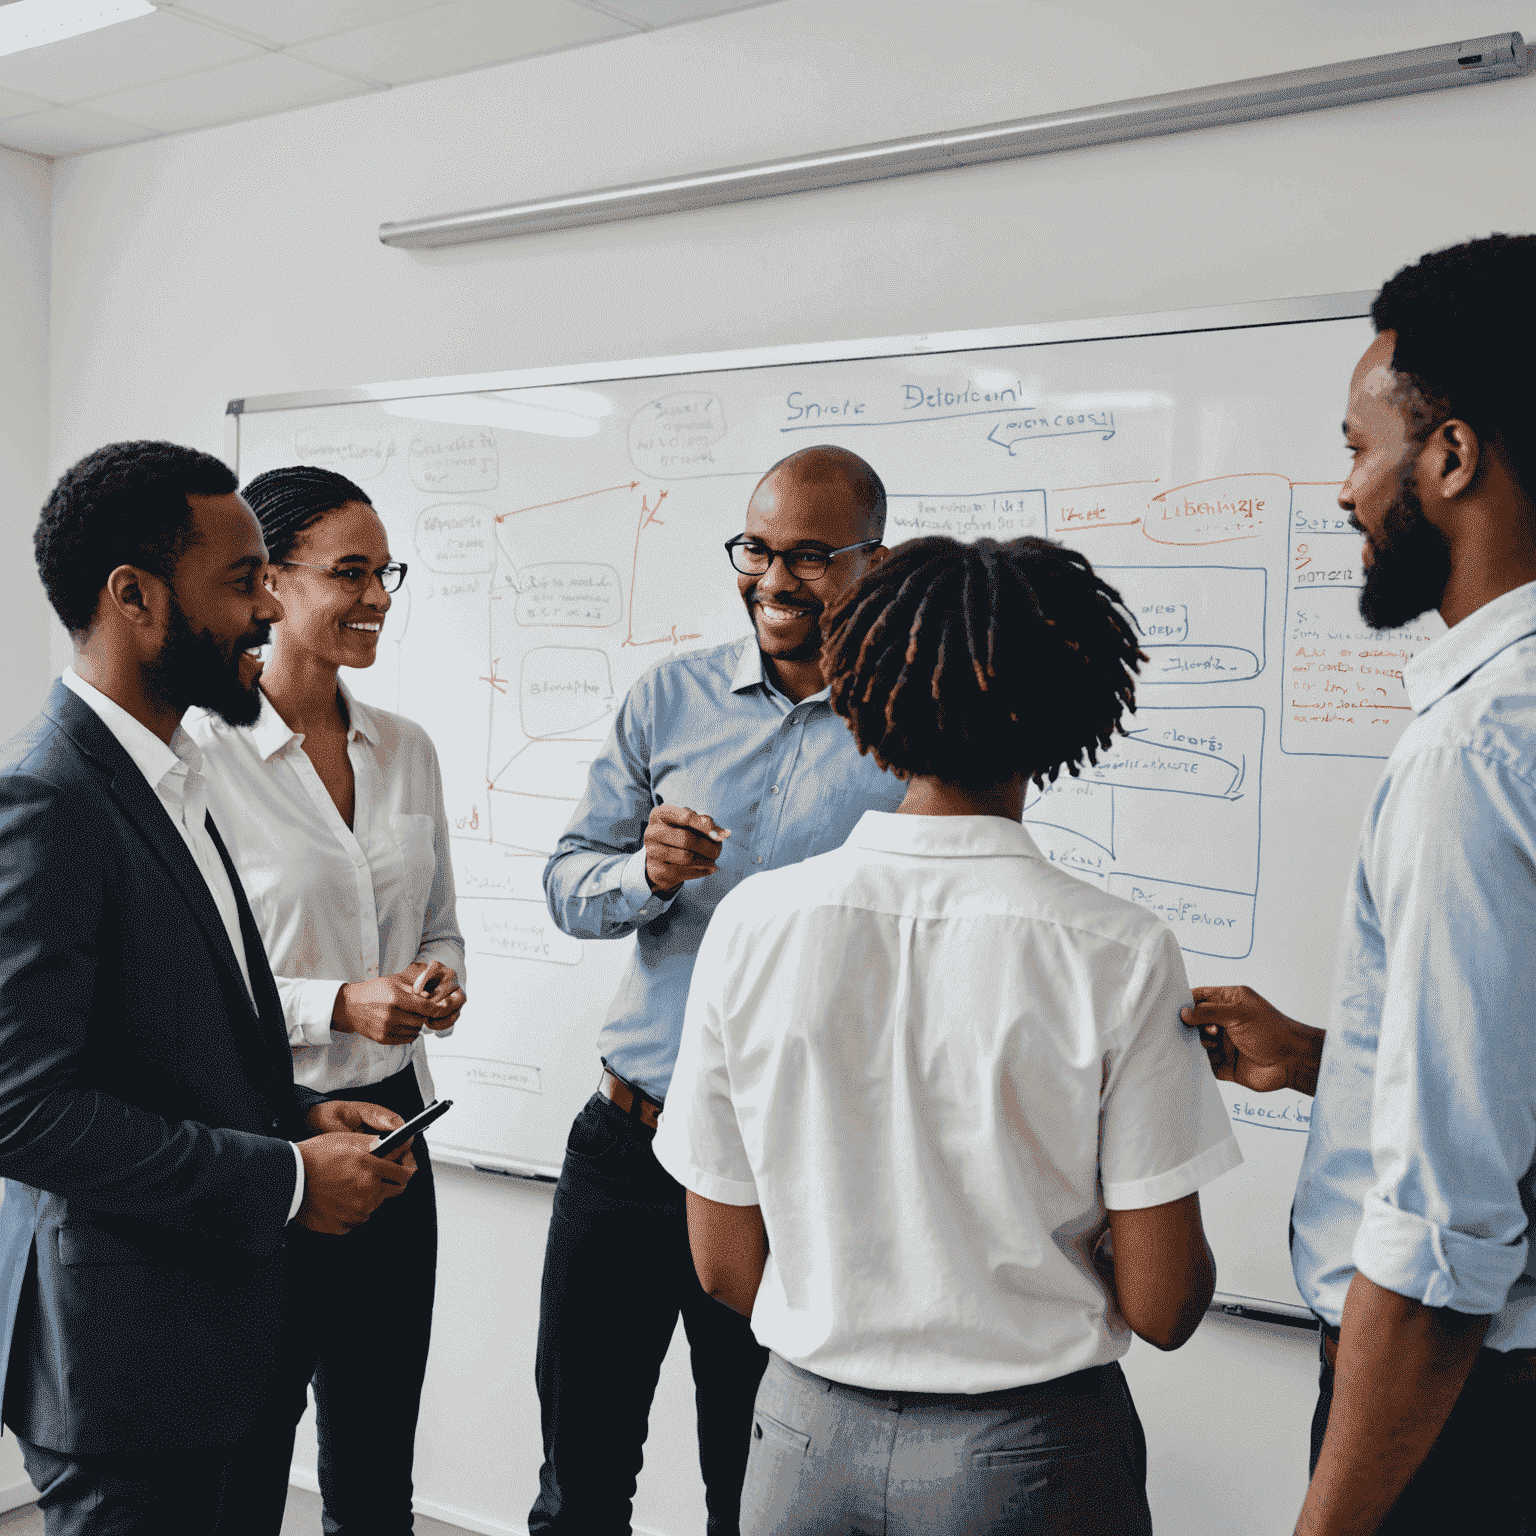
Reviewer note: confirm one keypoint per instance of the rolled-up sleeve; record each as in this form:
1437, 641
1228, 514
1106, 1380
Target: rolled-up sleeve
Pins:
1453, 1113
595, 881
699, 1142
1164, 1129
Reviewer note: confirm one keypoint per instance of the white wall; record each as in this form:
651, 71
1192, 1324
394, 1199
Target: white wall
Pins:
25, 193
244, 260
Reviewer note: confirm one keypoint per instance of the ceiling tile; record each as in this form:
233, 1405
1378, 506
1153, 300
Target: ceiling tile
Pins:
14, 103
129, 53
293, 21
462, 34
66, 131
271, 82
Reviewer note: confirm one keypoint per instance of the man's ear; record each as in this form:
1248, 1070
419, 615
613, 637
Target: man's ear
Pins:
1450, 460
876, 556
136, 596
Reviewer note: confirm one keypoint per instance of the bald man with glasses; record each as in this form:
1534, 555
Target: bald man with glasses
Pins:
722, 763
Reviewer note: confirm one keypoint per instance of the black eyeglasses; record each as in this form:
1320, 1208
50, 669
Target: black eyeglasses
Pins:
358, 577
754, 558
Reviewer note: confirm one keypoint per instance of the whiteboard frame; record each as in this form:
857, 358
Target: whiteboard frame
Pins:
1302, 310
1217, 317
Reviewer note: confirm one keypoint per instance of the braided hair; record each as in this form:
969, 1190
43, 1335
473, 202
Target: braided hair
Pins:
971, 663
288, 501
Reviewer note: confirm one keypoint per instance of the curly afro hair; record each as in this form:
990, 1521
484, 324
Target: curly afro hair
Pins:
1457, 315
125, 504
971, 663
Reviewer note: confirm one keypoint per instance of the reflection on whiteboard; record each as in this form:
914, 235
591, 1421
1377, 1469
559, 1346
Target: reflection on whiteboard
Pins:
564, 537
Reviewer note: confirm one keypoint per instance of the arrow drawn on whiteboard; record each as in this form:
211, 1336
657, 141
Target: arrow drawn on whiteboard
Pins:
1006, 433
501, 517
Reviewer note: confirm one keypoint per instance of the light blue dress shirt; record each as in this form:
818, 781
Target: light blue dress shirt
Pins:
1418, 1168
705, 730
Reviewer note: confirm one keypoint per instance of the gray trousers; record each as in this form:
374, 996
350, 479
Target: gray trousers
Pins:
1064, 1458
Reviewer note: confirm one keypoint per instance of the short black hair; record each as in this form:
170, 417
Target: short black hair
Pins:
971, 663
288, 501
125, 504
1459, 315
825, 461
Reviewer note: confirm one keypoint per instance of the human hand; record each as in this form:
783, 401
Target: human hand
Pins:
344, 1184
441, 983
387, 1010
352, 1115
680, 845
1250, 1042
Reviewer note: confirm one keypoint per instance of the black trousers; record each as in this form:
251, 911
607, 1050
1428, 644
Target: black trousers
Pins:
357, 1320
617, 1273
128, 1493
1476, 1477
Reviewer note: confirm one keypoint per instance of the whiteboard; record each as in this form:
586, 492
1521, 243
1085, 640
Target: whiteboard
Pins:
564, 527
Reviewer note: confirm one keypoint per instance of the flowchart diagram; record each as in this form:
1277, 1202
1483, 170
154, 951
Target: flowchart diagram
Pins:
563, 593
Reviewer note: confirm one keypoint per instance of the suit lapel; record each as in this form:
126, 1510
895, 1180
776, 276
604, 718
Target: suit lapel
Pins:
150, 819
269, 1005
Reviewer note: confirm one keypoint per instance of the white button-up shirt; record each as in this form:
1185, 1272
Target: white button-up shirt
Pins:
336, 903
175, 773
935, 1060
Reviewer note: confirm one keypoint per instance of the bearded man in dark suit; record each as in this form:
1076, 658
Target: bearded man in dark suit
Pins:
152, 1140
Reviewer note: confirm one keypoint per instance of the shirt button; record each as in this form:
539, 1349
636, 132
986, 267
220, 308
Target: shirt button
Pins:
774, 790
758, 859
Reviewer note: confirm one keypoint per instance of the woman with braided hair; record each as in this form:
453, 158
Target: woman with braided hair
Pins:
939, 1122
333, 812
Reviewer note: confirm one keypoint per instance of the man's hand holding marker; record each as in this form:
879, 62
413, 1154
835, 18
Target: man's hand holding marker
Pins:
680, 845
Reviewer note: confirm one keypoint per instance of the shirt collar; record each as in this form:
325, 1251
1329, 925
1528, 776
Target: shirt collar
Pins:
749, 674
150, 755
1456, 655
943, 837
272, 734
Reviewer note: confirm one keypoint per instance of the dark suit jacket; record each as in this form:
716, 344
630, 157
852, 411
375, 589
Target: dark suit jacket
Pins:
143, 1111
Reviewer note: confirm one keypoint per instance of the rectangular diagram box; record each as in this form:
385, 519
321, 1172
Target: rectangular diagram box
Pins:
1343, 692
1169, 818
1199, 623
985, 515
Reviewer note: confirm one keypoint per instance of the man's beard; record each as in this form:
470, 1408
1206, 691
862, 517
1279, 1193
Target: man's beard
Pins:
809, 649
192, 668
1410, 564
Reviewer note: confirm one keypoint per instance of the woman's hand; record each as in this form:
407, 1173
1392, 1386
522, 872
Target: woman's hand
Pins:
390, 1010
441, 983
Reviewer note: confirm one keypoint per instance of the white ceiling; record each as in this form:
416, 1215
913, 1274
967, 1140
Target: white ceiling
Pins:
195, 63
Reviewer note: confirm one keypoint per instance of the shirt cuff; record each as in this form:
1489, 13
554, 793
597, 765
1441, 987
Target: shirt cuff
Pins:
309, 1006
1163, 1188
1439, 1266
701, 1181
639, 901
298, 1187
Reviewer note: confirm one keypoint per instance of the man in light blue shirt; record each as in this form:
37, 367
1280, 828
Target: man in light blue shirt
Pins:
722, 763
1410, 1227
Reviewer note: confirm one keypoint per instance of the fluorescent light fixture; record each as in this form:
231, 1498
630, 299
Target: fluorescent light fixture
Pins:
31, 23
510, 412
1469, 62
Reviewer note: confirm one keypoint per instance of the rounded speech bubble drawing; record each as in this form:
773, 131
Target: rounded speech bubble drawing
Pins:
456, 538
